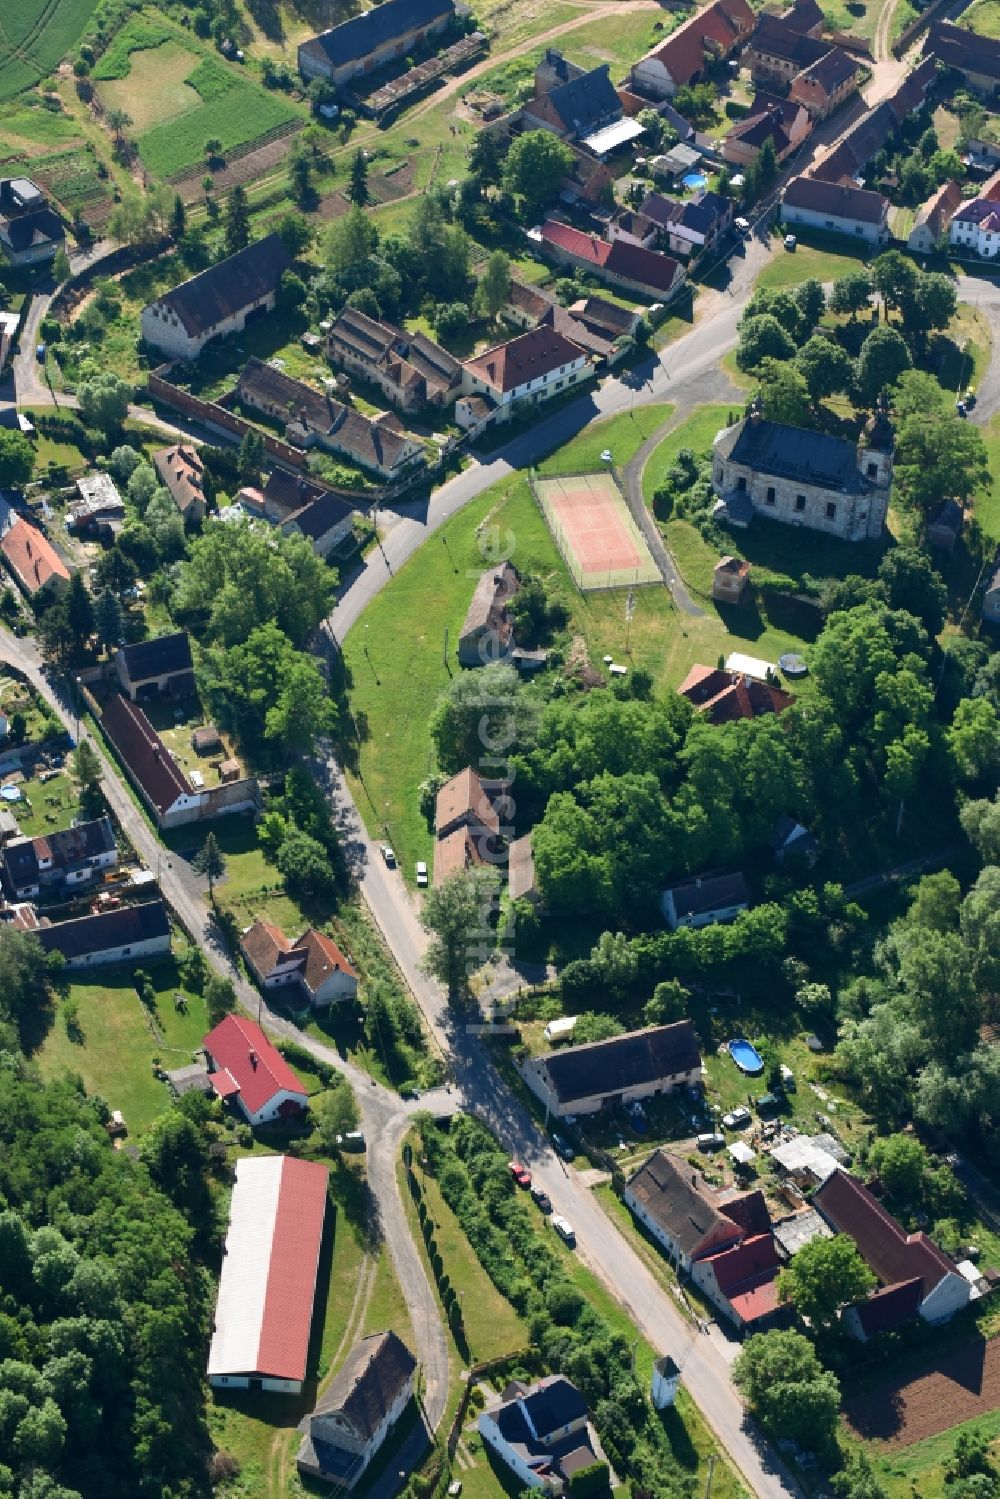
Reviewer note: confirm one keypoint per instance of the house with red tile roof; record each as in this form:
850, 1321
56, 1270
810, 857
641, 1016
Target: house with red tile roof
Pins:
314, 963
245, 1067
619, 263
687, 1216
722, 696
680, 60
270, 1263
33, 559
916, 1278
742, 1283
527, 369
182, 473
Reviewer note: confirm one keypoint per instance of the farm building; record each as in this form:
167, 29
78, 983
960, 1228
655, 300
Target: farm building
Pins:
355, 1414
372, 39
246, 1068
688, 1217
679, 60
218, 301
640, 1064
270, 1262
129, 934
160, 667
487, 633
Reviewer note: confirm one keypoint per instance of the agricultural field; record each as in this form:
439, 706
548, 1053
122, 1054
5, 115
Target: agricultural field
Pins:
179, 95
35, 36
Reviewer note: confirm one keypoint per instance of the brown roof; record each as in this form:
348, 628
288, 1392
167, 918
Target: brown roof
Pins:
595, 312
144, 753
911, 94
528, 299
883, 1244
32, 557
646, 268
738, 568
323, 957
683, 1204
464, 800
454, 853
488, 608
410, 361
940, 208
530, 355
890, 1306
970, 51
723, 696
831, 70
183, 473
374, 442
617, 1063
774, 37
263, 944
719, 28
839, 202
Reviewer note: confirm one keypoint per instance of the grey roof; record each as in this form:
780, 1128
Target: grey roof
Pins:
958, 47
224, 289
355, 39
586, 102
162, 656
776, 38
700, 214
710, 892
106, 930
794, 453
803, 15
550, 1404
832, 70
682, 1203
622, 1062
320, 515
852, 203
42, 226
376, 1370
66, 848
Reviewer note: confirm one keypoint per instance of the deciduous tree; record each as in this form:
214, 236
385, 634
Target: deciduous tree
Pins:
459, 915
534, 167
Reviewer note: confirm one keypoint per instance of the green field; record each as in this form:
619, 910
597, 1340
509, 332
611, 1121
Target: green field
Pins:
238, 114
987, 507
116, 1044
140, 33
824, 256
35, 35
984, 17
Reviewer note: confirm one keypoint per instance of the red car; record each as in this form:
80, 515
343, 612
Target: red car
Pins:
520, 1173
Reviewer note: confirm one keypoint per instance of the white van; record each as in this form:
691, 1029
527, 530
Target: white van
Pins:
561, 1029
563, 1229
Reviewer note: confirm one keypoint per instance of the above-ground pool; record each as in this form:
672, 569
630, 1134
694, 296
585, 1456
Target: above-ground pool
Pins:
745, 1056
694, 179
10, 793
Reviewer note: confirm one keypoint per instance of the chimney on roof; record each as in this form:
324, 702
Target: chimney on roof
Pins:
253, 1060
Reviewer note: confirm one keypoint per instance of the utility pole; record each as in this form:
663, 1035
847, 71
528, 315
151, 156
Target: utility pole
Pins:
446, 645
711, 1473
629, 612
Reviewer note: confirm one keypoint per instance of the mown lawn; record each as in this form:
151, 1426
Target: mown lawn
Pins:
622, 435
983, 17
45, 807
118, 1040
825, 257
697, 433
987, 506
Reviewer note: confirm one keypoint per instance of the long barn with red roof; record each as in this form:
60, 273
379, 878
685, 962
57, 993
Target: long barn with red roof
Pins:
263, 1315
245, 1067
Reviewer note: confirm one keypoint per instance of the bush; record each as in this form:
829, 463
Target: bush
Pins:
594, 1479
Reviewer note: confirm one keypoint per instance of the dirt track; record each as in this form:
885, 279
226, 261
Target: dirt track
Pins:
961, 1385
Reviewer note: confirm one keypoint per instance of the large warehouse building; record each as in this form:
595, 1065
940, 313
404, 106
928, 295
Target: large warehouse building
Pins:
268, 1284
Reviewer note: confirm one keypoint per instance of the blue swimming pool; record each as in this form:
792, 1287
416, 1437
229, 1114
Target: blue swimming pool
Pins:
745, 1056
694, 179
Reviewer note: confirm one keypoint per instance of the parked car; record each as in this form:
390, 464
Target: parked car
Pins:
541, 1197
563, 1147
787, 1078
563, 1229
960, 408
737, 1118
40, 351
713, 1141
520, 1173
353, 1140
742, 226
790, 241
388, 856
421, 874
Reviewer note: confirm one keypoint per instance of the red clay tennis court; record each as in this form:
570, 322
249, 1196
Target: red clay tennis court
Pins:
600, 542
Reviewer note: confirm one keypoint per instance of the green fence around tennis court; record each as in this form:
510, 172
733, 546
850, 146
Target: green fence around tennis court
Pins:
600, 484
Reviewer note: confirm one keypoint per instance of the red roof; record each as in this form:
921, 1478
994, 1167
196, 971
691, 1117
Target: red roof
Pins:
224, 1085
645, 267
144, 753
883, 1244
239, 1046
717, 29
32, 557
890, 1306
747, 1276
527, 357
291, 1276
723, 696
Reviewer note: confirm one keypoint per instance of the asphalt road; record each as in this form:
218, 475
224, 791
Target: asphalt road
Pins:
385, 1117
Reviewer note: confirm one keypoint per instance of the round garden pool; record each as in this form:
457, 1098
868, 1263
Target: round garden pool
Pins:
745, 1056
